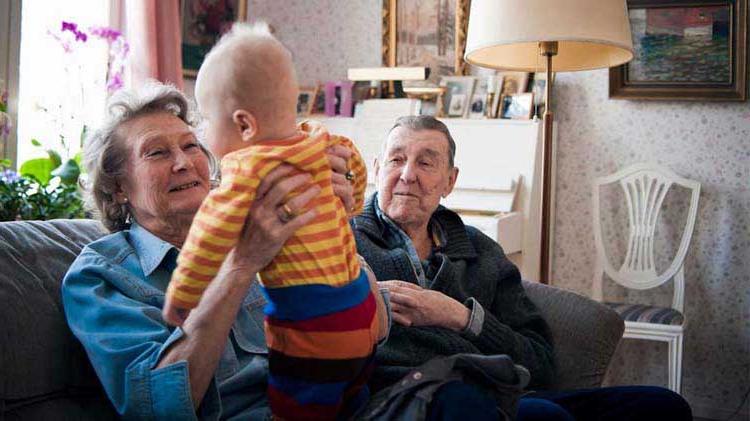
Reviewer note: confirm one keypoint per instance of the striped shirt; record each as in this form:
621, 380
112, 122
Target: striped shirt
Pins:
321, 252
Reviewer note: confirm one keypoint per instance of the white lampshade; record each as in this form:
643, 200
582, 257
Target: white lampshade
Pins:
591, 34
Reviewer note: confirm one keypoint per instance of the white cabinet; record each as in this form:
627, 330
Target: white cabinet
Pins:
498, 186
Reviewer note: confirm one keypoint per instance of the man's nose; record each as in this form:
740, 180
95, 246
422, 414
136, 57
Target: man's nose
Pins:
409, 172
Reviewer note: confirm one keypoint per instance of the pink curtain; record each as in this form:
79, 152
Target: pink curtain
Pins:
152, 27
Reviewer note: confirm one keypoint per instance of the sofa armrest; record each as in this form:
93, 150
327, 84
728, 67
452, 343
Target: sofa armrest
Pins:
585, 334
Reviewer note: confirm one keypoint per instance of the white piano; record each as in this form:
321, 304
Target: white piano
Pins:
498, 186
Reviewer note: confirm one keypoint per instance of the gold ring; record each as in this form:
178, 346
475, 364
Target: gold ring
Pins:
287, 214
349, 175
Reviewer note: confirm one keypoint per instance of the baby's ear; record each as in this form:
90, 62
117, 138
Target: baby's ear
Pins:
246, 123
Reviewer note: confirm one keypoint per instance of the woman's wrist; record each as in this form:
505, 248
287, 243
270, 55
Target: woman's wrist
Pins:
238, 269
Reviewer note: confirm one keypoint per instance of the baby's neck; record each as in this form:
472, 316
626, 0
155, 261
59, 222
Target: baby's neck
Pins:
276, 132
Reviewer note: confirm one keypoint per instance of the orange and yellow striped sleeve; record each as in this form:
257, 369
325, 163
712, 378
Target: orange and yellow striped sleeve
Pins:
358, 168
214, 232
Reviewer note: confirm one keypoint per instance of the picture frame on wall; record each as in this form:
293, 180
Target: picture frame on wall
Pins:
202, 24
306, 100
685, 50
517, 107
429, 33
457, 96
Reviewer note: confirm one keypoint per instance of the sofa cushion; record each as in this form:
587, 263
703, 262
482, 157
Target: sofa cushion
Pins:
39, 356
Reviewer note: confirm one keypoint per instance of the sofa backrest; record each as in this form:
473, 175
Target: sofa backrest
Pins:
40, 359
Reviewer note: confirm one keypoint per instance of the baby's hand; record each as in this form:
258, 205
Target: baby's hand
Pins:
173, 315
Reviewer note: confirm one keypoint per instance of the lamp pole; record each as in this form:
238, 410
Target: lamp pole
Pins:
547, 49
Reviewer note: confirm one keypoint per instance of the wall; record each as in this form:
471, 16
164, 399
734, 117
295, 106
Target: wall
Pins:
709, 142
326, 36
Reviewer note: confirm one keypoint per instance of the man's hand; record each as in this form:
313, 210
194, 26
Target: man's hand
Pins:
412, 305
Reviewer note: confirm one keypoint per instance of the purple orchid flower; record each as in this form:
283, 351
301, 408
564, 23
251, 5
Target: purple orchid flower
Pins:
69, 26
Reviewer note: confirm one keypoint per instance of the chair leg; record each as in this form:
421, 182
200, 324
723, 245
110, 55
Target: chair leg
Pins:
675, 363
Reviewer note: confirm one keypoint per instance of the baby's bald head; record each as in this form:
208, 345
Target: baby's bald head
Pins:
248, 69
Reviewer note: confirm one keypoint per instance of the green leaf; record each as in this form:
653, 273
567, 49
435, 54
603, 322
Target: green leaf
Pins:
5, 163
68, 172
55, 158
40, 168
36, 142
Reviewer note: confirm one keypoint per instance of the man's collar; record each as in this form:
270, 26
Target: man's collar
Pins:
455, 242
151, 250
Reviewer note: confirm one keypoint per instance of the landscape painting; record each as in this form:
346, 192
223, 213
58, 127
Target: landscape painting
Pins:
685, 50
681, 44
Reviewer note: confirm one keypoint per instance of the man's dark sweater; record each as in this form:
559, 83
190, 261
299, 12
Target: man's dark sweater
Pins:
469, 264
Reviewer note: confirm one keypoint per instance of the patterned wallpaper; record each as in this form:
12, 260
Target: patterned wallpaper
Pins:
708, 142
325, 36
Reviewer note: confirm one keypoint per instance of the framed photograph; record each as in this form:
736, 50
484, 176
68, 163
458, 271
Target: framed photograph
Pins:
203, 22
495, 110
458, 94
429, 33
319, 103
517, 107
306, 100
514, 82
538, 86
685, 50
478, 105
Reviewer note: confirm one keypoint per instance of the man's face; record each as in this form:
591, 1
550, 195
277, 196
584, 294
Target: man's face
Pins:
412, 174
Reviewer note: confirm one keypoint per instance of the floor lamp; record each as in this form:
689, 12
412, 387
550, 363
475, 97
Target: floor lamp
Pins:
558, 35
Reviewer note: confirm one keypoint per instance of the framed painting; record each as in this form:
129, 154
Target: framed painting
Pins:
430, 33
203, 22
685, 50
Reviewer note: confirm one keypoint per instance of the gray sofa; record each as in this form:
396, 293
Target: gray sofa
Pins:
45, 374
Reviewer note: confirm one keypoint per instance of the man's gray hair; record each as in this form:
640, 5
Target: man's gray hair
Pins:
425, 122
106, 152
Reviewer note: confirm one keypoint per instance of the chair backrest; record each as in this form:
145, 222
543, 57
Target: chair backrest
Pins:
644, 185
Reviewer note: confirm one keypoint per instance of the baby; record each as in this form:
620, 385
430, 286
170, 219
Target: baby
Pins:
321, 318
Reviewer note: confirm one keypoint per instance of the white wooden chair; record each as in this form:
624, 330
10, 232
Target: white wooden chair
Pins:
644, 187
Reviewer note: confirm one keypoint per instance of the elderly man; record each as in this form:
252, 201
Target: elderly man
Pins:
452, 290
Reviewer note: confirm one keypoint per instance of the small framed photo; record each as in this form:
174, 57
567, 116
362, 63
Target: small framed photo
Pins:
478, 105
514, 82
494, 111
517, 107
306, 100
538, 86
319, 103
458, 94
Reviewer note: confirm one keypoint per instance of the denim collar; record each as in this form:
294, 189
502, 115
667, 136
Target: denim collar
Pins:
150, 249
392, 229
395, 237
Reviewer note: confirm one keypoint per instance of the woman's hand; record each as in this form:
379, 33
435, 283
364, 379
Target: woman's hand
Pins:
268, 224
338, 156
412, 305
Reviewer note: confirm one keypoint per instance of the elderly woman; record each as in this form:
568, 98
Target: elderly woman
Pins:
452, 290
148, 175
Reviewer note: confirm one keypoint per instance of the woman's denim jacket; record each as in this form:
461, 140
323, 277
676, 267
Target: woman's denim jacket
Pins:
113, 295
